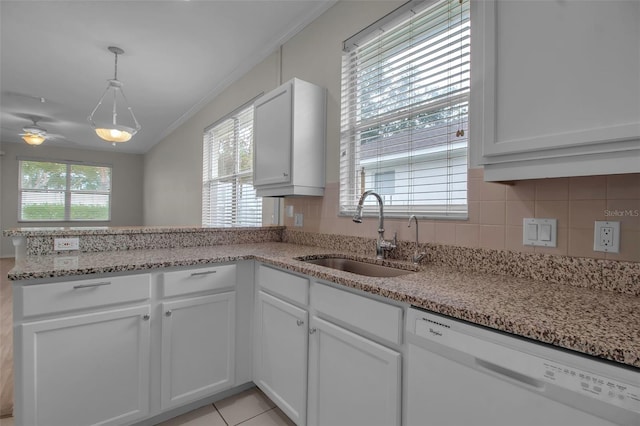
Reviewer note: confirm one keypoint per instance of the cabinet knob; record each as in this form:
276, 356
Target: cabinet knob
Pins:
312, 330
285, 174
299, 322
146, 317
168, 313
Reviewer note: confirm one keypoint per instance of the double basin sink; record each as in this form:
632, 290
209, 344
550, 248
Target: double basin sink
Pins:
359, 267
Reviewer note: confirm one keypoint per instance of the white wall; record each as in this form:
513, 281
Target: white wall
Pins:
173, 168
126, 197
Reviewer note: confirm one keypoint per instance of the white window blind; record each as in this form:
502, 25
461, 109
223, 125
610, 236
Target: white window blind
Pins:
64, 191
228, 197
404, 126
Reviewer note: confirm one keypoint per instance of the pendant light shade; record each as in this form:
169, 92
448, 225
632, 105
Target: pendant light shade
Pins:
104, 121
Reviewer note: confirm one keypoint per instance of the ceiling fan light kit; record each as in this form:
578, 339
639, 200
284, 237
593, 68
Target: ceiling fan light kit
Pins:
34, 134
112, 131
33, 138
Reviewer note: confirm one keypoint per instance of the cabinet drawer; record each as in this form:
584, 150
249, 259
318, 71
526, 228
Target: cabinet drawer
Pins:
198, 280
67, 296
284, 284
378, 318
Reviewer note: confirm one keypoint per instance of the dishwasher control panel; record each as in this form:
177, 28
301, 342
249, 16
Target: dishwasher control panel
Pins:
605, 389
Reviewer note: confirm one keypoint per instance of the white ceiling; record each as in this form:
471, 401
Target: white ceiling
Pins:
178, 56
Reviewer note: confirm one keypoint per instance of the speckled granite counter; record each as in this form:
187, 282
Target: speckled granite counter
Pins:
597, 322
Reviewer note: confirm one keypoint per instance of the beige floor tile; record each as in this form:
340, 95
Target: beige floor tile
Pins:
205, 416
243, 406
7, 421
274, 417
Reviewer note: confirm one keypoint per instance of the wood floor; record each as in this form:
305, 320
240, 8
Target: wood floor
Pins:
6, 339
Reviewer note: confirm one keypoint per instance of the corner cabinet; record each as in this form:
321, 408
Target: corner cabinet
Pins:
289, 140
280, 340
281, 354
555, 88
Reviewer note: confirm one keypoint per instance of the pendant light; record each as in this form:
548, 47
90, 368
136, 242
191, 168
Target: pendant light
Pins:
114, 131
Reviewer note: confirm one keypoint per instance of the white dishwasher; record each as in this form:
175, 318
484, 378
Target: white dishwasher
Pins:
460, 374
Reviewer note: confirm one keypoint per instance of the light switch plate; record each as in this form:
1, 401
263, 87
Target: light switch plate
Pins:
539, 232
298, 219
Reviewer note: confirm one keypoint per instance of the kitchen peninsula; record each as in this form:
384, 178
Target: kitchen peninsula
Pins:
584, 305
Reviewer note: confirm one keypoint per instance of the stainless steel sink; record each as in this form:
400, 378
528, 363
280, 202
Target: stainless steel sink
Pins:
358, 267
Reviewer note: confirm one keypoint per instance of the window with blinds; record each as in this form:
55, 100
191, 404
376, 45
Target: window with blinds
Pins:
405, 98
228, 197
64, 191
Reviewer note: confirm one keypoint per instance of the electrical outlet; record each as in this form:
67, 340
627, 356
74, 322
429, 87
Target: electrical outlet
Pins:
606, 237
298, 219
61, 244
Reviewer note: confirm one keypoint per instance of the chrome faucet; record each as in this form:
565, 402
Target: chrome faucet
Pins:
417, 257
382, 245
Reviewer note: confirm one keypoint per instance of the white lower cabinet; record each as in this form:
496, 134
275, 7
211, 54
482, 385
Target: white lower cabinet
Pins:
343, 366
352, 380
123, 349
84, 369
198, 348
281, 354
115, 350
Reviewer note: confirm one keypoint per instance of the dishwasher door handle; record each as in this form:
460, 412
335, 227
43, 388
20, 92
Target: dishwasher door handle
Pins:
513, 375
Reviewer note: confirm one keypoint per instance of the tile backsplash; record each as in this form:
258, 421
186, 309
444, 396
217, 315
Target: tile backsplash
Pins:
496, 211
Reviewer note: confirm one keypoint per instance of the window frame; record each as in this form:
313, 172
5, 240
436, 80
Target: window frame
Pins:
352, 180
67, 191
235, 177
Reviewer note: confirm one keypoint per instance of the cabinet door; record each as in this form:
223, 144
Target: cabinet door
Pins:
272, 133
562, 101
198, 348
85, 370
352, 380
281, 355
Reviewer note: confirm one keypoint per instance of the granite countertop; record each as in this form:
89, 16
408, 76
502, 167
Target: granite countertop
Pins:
601, 323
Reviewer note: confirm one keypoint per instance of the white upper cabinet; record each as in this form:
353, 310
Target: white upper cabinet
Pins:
289, 140
555, 88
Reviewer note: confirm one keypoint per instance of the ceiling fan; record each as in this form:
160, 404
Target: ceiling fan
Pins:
34, 134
